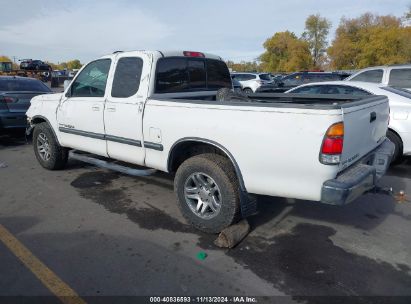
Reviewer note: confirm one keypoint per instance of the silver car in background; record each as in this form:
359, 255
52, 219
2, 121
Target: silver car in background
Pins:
399, 128
250, 82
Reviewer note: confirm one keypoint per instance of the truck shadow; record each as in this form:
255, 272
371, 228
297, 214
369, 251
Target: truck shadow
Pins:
401, 169
365, 213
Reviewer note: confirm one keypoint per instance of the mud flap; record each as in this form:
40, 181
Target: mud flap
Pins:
248, 204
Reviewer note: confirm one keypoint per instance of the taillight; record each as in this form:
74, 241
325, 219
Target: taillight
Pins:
8, 99
333, 143
193, 54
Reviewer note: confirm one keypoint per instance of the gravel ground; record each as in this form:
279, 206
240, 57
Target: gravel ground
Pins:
108, 234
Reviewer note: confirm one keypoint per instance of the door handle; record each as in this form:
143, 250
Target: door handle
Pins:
111, 109
96, 108
373, 116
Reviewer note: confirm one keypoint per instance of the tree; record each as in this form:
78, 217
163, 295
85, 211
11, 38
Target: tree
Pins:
5, 59
316, 33
370, 40
285, 53
74, 64
69, 65
244, 66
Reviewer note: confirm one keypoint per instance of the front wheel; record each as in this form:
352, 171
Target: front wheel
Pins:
208, 192
48, 152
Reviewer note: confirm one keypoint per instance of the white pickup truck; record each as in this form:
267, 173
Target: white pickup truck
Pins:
159, 110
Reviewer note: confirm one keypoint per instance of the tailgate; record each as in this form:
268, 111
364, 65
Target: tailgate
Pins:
365, 127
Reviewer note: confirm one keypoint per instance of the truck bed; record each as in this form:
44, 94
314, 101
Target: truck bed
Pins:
281, 100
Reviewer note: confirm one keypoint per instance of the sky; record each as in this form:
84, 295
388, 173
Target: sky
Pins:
58, 30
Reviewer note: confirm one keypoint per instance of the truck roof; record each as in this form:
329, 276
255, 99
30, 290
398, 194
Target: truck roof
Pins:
169, 53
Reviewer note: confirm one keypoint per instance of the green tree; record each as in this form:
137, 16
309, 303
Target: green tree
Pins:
4, 58
370, 40
285, 53
244, 66
316, 33
74, 64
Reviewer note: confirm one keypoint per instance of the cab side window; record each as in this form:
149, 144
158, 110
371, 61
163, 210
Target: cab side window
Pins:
352, 91
127, 77
307, 90
400, 78
249, 77
92, 80
374, 76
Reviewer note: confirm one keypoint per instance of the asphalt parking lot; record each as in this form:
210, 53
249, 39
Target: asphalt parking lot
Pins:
108, 234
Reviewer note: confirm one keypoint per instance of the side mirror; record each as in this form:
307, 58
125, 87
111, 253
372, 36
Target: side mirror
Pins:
66, 84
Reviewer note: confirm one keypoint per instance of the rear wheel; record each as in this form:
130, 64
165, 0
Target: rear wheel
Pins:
248, 91
208, 192
396, 140
48, 152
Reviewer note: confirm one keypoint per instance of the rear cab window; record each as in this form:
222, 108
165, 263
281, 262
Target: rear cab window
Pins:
183, 74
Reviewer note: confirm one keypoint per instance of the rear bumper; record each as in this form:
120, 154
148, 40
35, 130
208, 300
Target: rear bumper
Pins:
359, 178
13, 120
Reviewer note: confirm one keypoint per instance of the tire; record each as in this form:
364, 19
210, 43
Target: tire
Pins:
53, 157
248, 91
216, 170
396, 140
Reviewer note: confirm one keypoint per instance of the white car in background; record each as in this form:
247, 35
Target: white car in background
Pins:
250, 82
398, 76
399, 129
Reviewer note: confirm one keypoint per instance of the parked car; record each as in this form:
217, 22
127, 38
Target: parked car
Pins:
250, 82
276, 78
160, 110
295, 79
15, 95
29, 64
399, 129
236, 85
390, 75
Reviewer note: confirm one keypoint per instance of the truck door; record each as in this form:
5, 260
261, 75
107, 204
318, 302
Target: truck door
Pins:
123, 114
80, 113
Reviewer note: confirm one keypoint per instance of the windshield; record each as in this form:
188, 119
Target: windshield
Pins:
22, 85
399, 91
